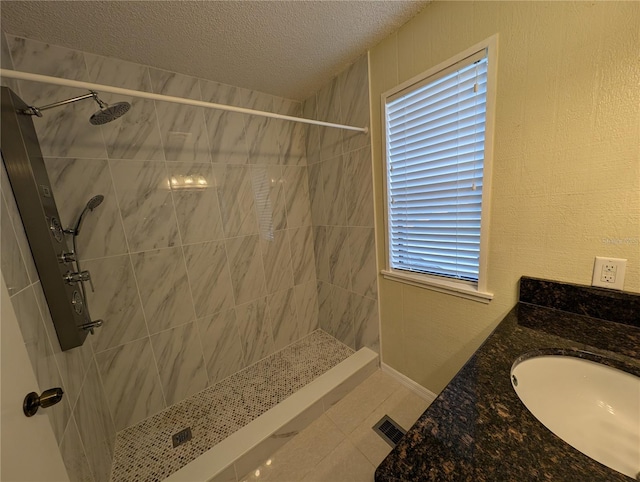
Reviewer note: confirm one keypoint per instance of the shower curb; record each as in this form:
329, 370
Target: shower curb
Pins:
250, 446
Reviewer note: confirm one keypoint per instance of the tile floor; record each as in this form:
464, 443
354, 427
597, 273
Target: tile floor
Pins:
144, 452
341, 445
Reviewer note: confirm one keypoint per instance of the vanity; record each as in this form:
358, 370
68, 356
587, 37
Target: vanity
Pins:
478, 429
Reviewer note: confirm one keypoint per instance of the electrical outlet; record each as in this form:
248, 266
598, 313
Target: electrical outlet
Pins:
609, 272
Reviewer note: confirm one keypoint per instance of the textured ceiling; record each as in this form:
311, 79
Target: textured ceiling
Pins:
285, 48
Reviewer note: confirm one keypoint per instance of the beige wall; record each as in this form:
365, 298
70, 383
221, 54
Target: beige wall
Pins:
566, 170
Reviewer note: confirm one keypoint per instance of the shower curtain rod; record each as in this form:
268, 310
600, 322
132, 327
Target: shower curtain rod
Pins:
46, 79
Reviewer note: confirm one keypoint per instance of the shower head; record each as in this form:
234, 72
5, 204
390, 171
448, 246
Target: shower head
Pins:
107, 113
93, 203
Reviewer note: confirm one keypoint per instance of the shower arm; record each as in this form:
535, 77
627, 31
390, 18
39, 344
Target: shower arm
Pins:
37, 111
16, 74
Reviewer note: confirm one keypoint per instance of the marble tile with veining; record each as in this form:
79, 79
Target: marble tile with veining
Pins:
316, 195
276, 258
117, 73
195, 197
261, 132
354, 103
226, 130
36, 57
324, 305
115, 301
296, 189
341, 322
209, 277
64, 131
225, 94
221, 344
362, 249
129, 369
321, 252
328, 109
285, 321
338, 256
246, 267
136, 134
13, 267
95, 425
255, 330
28, 316
73, 364
287, 106
359, 188
73, 455
181, 366
333, 187
227, 137
291, 135
146, 204
365, 322
263, 135
252, 99
307, 306
312, 132
41, 355
291, 143
101, 232
18, 227
302, 257
267, 182
162, 281
236, 200
7, 63
97, 411
183, 129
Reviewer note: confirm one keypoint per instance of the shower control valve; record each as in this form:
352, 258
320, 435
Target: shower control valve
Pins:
91, 325
66, 257
71, 278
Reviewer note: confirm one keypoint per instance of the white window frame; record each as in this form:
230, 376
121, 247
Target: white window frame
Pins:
464, 289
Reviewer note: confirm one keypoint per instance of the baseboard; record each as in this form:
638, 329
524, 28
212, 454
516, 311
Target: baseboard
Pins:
416, 388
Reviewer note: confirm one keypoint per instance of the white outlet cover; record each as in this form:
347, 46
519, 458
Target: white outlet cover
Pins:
609, 273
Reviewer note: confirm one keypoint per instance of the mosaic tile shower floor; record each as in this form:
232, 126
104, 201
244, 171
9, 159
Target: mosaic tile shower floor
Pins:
144, 452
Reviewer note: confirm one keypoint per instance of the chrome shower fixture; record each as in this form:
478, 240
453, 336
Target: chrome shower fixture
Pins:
107, 113
93, 203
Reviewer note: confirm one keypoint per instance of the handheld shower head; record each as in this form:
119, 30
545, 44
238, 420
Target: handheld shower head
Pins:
93, 203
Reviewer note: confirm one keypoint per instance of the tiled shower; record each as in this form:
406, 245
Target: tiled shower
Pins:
222, 238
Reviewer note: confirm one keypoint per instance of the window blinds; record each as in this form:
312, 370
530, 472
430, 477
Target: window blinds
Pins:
435, 133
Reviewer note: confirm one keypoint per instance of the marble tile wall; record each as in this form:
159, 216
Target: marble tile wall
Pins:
81, 422
202, 253
341, 193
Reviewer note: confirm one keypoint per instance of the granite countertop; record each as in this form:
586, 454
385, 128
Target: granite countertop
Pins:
477, 429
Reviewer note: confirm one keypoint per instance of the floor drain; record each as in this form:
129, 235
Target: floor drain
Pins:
183, 436
389, 430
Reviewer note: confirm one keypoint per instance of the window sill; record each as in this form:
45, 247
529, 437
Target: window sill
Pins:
442, 286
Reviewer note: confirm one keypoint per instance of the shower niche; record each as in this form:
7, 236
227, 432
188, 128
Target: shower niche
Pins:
55, 261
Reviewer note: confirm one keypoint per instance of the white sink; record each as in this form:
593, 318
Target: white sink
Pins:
593, 407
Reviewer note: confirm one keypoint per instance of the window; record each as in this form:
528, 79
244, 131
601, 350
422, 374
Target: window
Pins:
438, 146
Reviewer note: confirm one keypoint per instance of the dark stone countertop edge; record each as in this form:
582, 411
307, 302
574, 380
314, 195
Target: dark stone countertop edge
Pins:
477, 429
